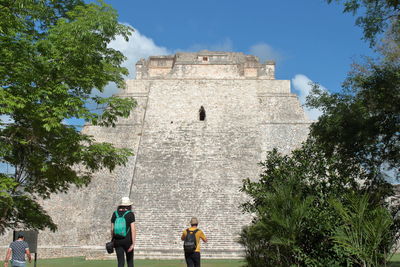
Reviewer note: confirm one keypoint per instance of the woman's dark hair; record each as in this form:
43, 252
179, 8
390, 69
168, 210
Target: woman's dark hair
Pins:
124, 207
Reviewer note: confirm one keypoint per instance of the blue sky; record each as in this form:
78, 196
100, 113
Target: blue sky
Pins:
309, 39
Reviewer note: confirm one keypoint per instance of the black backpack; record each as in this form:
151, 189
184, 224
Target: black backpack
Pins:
190, 243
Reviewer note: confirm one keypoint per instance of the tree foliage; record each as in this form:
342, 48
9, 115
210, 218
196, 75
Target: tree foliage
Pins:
367, 232
363, 121
303, 215
366, 113
53, 54
377, 18
339, 174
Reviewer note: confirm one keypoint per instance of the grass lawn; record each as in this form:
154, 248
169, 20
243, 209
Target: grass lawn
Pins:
395, 261
80, 262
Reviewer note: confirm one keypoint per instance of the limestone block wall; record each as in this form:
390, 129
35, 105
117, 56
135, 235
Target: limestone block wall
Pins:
83, 215
205, 65
187, 167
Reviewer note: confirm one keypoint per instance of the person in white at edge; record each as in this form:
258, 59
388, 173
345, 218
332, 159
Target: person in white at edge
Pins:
125, 245
18, 249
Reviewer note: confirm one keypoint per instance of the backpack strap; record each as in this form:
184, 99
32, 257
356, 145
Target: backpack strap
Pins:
194, 231
129, 227
117, 215
126, 212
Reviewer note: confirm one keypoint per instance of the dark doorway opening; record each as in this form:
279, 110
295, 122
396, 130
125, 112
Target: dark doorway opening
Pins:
202, 113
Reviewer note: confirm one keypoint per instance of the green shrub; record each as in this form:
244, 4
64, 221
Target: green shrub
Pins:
309, 209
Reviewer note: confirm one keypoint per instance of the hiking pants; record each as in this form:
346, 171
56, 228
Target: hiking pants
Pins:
121, 250
192, 259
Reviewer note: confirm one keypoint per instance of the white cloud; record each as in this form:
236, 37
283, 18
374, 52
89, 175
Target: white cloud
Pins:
138, 46
264, 52
302, 84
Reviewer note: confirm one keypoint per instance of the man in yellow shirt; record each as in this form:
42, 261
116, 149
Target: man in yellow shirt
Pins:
191, 238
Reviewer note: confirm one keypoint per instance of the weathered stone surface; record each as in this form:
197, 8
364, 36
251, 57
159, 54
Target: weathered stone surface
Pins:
183, 167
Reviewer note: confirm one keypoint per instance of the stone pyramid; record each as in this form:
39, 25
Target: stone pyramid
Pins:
203, 123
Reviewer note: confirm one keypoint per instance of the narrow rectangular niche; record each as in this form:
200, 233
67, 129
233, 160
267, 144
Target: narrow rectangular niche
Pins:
202, 114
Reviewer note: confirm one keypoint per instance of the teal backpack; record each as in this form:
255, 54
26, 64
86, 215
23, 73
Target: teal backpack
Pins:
120, 225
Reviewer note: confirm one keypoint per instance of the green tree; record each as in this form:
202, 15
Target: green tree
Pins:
53, 54
378, 17
295, 203
390, 46
366, 232
275, 237
362, 121
340, 167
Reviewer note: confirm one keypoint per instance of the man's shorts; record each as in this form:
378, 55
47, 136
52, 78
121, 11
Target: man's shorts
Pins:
18, 264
